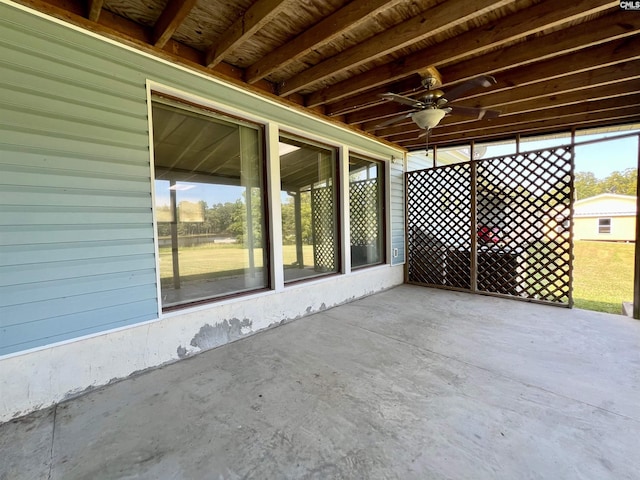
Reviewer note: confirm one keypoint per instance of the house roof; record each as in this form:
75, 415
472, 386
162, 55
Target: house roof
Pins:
611, 204
557, 65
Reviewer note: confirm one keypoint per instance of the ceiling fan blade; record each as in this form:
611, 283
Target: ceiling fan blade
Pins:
477, 82
412, 102
479, 113
395, 119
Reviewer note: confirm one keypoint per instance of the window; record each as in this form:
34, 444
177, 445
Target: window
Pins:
309, 209
366, 211
209, 204
604, 225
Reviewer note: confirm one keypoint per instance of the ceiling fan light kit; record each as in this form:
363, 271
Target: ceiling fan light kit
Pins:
428, 110
429, 118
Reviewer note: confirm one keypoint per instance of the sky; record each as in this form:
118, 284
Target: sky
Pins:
601, 158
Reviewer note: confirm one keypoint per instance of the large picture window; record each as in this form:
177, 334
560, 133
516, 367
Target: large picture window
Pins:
209, 204
366, 211
309, 209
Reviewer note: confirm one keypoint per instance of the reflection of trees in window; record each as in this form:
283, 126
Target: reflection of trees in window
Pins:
208, 248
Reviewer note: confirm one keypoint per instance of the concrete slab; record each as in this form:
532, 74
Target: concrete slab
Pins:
410, 383
25, 446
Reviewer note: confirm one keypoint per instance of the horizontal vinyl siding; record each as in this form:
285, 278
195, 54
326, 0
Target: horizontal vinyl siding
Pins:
76, 232
397, 212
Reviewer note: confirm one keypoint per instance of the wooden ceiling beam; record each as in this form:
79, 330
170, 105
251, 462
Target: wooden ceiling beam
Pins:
566, 114
172, 16
94, 7
598, 57
573, 40
348, 17
615, 26
604, 92
531, 20
592, 120
258, 15
140, 37
429, 23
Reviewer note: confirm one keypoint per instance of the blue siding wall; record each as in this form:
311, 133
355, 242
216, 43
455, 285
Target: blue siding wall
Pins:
76, 231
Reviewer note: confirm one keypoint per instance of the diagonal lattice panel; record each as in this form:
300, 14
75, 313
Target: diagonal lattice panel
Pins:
323, 228
523, 210
364, 212
523, 206
438, 226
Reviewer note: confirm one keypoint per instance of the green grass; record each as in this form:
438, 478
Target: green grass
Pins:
218, 259
602, 275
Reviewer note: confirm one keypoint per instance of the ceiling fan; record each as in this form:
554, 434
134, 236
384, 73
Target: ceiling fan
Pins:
433, 105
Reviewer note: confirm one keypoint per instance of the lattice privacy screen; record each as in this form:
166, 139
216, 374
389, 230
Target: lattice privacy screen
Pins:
519, 210
324, 229
364, 212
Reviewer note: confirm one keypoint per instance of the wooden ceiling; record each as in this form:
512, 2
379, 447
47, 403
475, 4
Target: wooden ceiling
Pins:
558, 65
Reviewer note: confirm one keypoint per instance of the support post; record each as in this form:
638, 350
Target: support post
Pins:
474, 222
250, 240
174, 234
636, 270
297, 208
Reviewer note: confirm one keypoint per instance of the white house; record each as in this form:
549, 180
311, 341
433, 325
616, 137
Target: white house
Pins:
608, 217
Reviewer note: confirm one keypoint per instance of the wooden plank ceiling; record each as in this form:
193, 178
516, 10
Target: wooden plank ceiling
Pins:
558, 65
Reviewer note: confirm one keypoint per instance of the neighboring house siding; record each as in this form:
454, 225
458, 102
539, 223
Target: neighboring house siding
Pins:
622, 229
76, 230
620, 210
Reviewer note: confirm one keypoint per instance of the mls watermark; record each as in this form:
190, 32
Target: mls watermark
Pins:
630, 5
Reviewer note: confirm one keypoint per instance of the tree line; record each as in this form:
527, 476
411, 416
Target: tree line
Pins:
621, 182
230, 219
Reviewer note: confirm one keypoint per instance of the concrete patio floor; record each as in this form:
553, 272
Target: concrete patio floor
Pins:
411, 383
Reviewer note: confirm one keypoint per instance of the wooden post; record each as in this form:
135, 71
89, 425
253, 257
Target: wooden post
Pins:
636, 270
474, 221
297, 209
250, 243
174, 235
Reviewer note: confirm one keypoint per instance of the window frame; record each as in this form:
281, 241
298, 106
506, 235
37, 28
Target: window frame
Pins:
604, 229
302, 137
383, 168
204, 109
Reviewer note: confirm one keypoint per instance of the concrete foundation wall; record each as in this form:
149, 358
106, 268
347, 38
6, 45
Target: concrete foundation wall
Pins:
33, 380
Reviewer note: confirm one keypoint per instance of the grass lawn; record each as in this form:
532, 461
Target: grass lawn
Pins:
219, 258
602, 275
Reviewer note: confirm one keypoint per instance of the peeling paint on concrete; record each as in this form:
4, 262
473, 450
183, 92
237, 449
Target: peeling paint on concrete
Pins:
97, 360
323, 307
223, 332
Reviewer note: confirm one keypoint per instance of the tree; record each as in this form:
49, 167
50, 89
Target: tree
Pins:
586, 185
623, 183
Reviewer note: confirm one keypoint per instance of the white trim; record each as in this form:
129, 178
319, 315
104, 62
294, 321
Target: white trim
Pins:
343, 204
152, 176
275, 206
